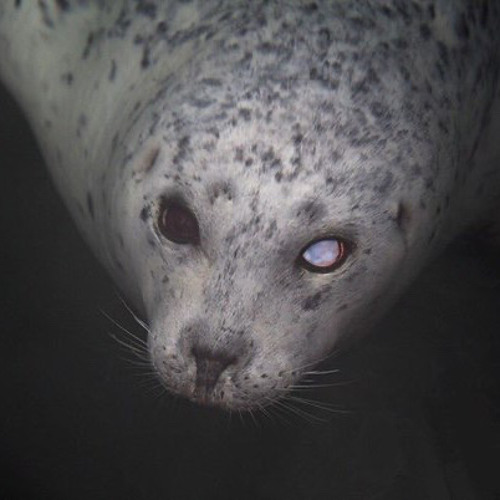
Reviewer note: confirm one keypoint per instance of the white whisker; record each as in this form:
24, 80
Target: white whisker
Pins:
139, 321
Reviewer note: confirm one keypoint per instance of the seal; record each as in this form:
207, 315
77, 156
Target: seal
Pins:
262, 179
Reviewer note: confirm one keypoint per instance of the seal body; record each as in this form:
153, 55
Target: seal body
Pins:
204, 148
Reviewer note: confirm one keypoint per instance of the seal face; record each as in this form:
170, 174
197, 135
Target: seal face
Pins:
262, 178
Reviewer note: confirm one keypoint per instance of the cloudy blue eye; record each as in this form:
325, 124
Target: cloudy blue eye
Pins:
323, 256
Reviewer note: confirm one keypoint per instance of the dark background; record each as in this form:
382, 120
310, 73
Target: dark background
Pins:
420, 412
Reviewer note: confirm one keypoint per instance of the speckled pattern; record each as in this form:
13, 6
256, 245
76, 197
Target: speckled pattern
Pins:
276, 124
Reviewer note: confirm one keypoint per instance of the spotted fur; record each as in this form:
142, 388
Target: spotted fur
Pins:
275, 122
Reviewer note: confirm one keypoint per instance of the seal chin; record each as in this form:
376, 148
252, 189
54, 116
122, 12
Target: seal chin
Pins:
219, 398
230, 398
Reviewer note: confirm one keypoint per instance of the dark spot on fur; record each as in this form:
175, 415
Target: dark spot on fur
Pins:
114, 142
425, 31
268, 156
387, 12
161, 27
443, 127
145, 213
271, 230
324, 39
324, 77
312, 303
88, 45
221, 189
379, 110
368, 82
214, 131
402, 11
386, 183
182, 150
310, 8
245, 113
67, 78
147, 9
18, 3
82, 124
211, 82
47, 20
443, 53
403, 216
311, 210
145, 59
62, 4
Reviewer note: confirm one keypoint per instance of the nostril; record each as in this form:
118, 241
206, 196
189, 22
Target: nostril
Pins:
209, 367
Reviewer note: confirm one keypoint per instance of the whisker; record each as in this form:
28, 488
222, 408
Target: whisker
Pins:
320, 406
252, 416
309, 417
322, 372
140, 364
139, 321
265, 411
136, 339
316, 362
312, 386
275, 412
139, 351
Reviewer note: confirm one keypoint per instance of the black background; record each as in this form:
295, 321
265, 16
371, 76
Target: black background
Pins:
79, 421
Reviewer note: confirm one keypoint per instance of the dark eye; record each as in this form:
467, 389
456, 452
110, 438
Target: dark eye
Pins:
324, 256
178, 224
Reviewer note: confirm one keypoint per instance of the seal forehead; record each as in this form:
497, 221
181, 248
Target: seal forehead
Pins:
302, 97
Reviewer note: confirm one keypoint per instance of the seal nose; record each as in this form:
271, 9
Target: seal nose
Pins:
209, 367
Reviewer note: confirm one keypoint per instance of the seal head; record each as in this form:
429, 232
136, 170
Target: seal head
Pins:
278, 136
